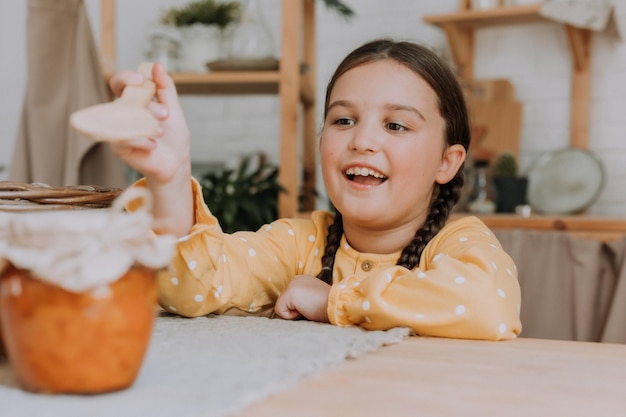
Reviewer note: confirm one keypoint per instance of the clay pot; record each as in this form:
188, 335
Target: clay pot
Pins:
510, 193
90, 342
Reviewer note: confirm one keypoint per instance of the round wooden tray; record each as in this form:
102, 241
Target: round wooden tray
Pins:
15, 196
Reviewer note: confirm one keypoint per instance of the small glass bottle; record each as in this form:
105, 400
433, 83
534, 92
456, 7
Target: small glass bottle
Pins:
486, 4
483, 195
163, 49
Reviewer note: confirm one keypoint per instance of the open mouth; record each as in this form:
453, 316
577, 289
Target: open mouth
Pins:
365, 176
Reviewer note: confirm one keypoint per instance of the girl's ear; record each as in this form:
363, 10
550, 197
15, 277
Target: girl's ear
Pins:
453, 157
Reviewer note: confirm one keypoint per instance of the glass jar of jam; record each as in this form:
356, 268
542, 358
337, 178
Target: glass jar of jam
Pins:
4, 219
78, 295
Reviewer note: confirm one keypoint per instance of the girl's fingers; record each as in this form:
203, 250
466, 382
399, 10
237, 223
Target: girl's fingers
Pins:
158, 110
120, 80
131, 145
165, 87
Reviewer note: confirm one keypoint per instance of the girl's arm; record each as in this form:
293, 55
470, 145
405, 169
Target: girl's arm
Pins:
164, 160
216, 272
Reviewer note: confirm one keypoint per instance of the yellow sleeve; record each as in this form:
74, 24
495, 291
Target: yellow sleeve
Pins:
215, 272
464, 287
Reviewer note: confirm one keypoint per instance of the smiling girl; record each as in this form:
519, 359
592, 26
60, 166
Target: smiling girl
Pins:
392, 148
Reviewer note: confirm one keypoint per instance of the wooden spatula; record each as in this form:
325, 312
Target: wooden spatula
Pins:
122, 119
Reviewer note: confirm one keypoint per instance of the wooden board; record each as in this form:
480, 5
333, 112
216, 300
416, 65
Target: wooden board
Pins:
496, 127
495, 89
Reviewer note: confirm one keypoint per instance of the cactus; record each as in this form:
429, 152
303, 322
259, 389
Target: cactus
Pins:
505, 165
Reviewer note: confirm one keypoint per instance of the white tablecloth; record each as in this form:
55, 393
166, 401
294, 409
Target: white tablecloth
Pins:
208, 366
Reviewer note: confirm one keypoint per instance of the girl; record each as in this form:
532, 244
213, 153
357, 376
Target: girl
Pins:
392, 147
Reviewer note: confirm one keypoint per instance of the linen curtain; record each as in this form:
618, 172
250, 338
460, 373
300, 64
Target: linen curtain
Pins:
572, 288
63, 75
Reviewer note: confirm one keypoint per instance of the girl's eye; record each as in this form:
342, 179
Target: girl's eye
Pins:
344, 121
396, 126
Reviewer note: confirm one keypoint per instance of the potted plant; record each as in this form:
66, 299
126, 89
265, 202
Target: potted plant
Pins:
510, 188
245, 197
201, 25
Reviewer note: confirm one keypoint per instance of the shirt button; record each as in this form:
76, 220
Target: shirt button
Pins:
367, 266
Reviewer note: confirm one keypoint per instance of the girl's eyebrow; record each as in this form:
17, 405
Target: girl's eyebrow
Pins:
405, 108
402, 107
344, 103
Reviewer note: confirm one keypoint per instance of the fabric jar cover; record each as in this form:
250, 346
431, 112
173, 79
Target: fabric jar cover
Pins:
80, 250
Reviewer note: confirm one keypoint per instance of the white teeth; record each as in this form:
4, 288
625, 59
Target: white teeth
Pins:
364, 172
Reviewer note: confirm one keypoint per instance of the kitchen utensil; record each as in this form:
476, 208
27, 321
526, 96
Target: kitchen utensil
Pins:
565, 181
123, 119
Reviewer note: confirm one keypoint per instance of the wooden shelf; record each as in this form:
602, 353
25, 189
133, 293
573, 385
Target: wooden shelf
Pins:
229, 77
490, 17
460, 26
236, 82
228, 82
602, 228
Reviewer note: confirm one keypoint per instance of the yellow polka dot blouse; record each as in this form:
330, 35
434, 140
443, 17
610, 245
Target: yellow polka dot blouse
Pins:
464, 287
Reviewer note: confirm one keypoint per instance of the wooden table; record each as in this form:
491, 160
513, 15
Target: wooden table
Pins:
448, 377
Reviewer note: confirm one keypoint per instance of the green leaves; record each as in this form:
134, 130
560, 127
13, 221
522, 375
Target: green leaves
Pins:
208, 12
340, 7
211, 12
244, 198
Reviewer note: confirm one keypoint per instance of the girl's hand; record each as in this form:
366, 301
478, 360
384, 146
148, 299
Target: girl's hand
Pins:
165, 159
305, 296
161, 157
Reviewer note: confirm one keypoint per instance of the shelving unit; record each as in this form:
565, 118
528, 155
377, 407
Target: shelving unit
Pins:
460, 27
293, 82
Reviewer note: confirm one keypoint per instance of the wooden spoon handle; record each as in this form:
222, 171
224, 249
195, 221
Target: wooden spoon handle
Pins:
140, 95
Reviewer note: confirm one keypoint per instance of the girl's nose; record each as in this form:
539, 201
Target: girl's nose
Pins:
365, 139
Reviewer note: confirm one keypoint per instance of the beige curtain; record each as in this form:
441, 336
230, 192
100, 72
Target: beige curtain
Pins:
614, 329
572, 288
63, 75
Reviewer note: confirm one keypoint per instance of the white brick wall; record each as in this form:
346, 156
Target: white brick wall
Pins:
535, 57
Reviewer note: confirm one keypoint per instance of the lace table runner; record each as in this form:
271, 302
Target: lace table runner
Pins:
209, 366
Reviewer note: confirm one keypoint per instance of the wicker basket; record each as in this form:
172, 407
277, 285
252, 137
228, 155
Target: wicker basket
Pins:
15, 196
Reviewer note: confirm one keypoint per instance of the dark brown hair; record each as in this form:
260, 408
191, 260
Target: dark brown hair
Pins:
425, 63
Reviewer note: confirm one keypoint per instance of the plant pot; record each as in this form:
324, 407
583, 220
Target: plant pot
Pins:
510, 193
199, 45
59, 341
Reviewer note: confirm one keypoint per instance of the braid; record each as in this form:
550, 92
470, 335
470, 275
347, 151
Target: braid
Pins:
447, 196
335, 231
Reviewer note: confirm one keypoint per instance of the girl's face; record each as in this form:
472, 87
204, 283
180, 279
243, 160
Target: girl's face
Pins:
383, 147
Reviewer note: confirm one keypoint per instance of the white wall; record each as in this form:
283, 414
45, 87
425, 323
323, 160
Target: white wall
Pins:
534, 57
12, 74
